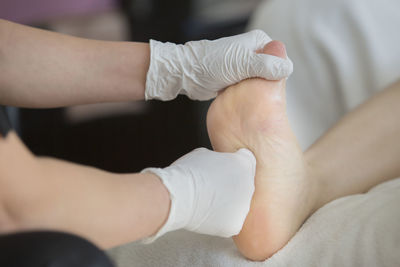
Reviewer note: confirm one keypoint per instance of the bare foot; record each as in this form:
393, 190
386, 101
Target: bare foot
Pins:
252, 114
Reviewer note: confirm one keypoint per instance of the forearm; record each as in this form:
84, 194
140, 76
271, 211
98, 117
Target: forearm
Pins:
45, 69
109, 209
362, 150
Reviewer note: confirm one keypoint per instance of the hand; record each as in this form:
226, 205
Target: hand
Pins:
210, 191
199, 69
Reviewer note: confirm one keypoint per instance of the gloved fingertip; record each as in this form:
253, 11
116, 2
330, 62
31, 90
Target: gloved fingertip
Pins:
248, 154
272, 67
285, 69
245, 151
261, 38
288, 66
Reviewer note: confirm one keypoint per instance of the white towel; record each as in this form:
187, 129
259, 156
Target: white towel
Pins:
359, 230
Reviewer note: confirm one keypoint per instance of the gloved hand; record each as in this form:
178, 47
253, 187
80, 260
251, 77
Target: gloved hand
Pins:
210, 192
199, 69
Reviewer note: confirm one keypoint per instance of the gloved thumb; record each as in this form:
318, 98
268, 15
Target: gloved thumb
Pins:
271, 62
270, 67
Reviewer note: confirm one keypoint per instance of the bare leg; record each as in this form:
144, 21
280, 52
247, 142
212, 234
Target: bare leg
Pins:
108, 209
362, 151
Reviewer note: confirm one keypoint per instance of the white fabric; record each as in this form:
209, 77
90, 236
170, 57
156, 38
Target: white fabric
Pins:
343, 51
199, 69
210, 192
359, 230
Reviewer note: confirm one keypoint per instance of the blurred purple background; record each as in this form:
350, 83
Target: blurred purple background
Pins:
37, 11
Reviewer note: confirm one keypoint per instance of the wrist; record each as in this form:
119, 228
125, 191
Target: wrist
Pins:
179, 195
161, 193
162, 81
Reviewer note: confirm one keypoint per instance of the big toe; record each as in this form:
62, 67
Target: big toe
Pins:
274, 48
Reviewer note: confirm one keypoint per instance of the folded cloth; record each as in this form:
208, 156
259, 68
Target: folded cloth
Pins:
358, 230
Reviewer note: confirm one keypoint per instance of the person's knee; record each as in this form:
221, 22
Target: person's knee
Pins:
50, 249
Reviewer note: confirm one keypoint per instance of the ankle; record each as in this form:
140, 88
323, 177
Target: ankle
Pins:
323, 189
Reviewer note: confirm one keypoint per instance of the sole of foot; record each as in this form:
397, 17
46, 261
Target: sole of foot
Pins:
252, 114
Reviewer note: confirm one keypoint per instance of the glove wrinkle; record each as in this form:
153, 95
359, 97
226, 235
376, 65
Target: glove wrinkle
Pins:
199, 69
210, 192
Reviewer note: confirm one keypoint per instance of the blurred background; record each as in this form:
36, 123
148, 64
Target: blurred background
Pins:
124, 137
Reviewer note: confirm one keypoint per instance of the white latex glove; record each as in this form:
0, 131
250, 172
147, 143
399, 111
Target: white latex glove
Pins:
199, 69
210, 192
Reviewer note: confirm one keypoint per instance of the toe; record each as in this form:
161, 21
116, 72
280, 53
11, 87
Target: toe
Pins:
275, 48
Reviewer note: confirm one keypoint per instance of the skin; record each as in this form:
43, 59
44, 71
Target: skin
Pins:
108, 209
62, 70
361, 151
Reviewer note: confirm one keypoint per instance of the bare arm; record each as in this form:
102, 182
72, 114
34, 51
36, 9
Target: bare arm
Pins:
45, 69
362, 150
108, 209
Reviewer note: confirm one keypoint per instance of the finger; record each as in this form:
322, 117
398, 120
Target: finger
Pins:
270, 67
